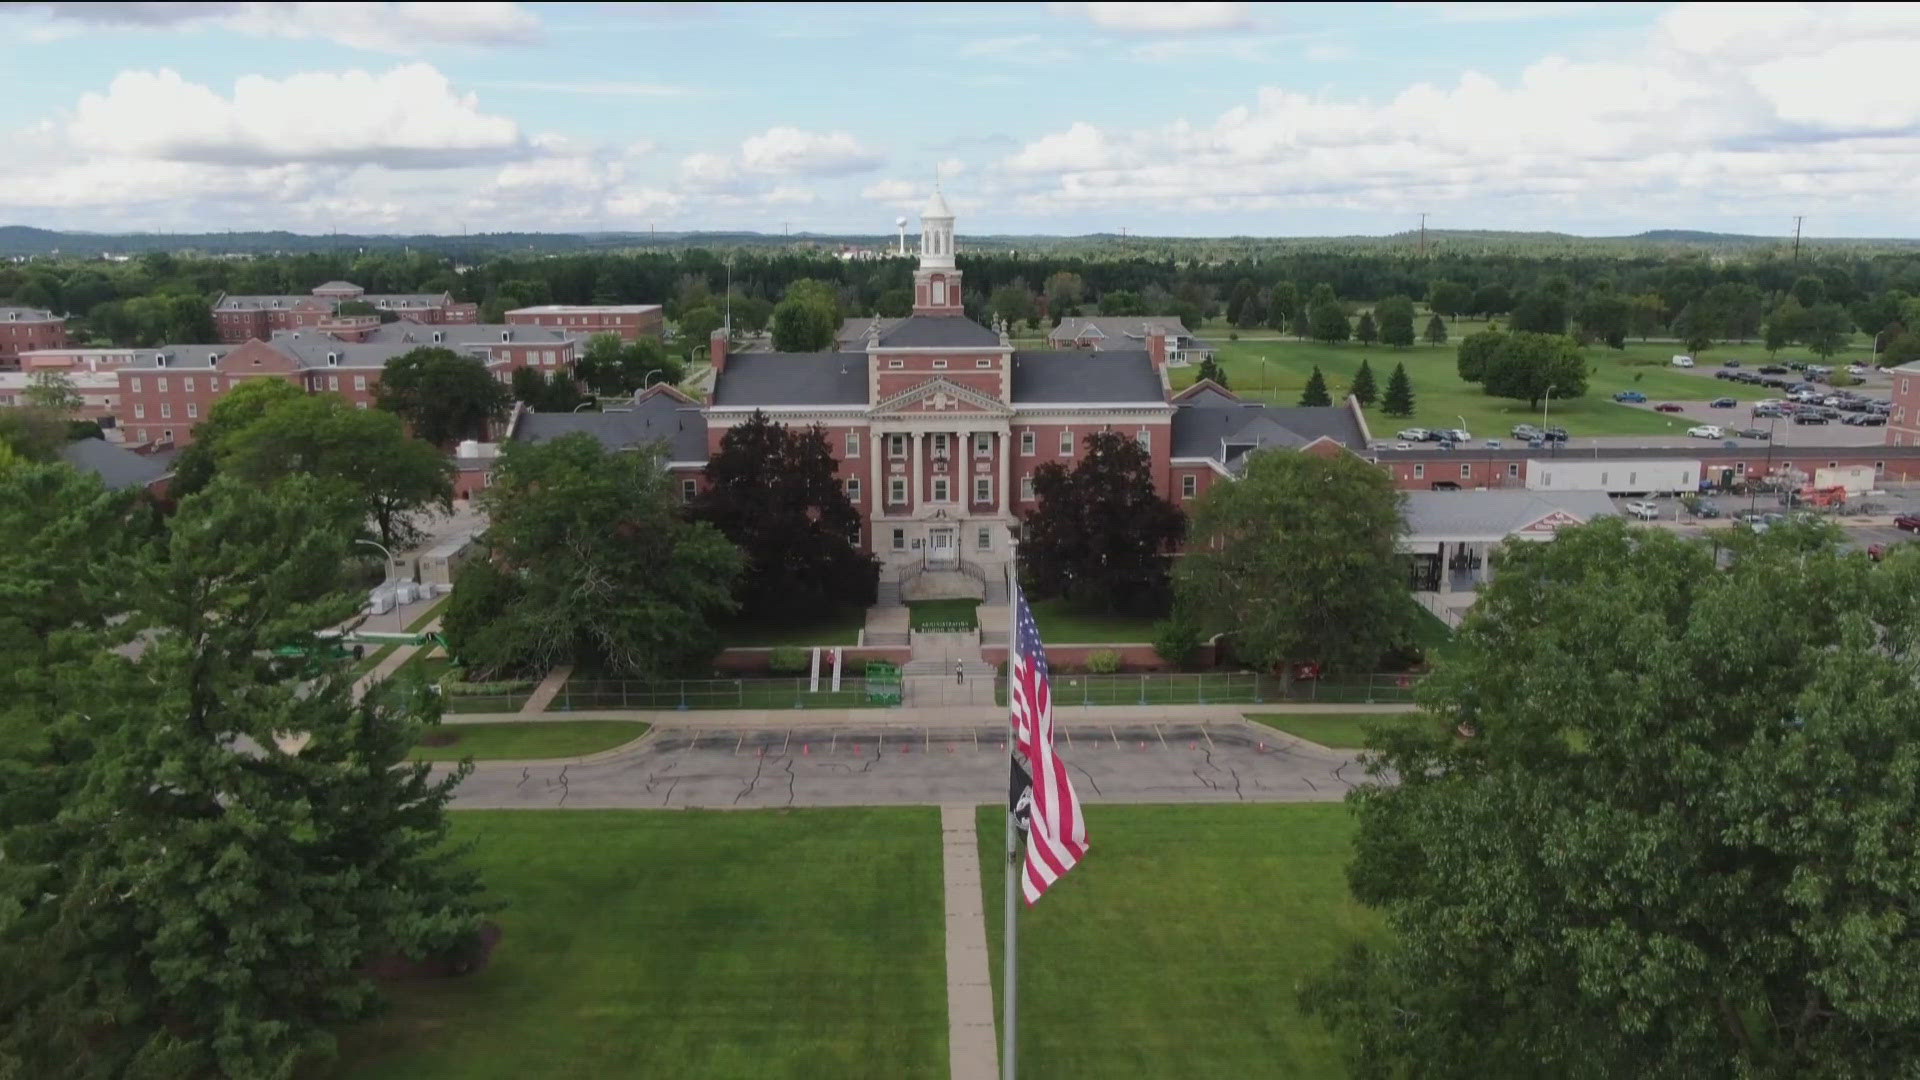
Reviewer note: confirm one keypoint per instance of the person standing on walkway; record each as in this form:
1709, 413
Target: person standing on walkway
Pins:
959, 673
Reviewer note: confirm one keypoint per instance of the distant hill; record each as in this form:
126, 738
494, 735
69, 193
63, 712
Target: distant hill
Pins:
17, 241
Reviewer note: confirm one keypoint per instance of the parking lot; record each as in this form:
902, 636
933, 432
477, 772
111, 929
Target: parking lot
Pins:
1784, 431
913, 765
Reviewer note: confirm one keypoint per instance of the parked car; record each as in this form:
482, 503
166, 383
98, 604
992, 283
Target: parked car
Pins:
1403, 446
1876, 552
1706, 508
1754, 433
1634, 396
1730, 363
1554, 434
1412, 434
1493, 444
1797, 365
1682, 361
1722, 403
1668, 406
1907, 523
1525, 431
1705, 431
1772, 369
1643, 510
1459, 435
1858, 371
1808, 417
1873, 420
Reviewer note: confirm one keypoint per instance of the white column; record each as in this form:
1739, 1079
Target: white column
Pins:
913, 471
878, 504
1004, 503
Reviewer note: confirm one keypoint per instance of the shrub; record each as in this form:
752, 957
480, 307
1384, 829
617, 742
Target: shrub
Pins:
789, 660
1176, 640
1103, 661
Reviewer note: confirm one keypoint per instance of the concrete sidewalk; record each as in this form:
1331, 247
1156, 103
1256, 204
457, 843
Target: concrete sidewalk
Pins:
972, 1048
921, 717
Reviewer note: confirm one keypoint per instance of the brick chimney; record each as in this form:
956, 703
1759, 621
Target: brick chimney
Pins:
717, 350
1157, 346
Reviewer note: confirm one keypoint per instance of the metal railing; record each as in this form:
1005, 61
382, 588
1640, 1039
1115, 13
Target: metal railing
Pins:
1210, 688
761, 693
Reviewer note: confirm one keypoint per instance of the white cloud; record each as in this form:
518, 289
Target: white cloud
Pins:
1504, 12
1160, 18
791, 151
379, 27
592, 88
409, 117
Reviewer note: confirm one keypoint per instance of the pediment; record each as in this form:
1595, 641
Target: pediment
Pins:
1553, 522
942, 396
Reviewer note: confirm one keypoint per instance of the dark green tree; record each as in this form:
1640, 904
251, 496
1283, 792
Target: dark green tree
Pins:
1122, 302
1101, 534
1269, 566
614, 368
1364, 391
807, 319
1399, 397
1365, 331
1211, 369
694, 329
1395, 315
1316, 389
1809, 290
1522, 365
1282, 305
1490, 300
775, 492
1327, 317
1825, 329
1542, 312
1012, 303
1449, 298
1436, 331
533, 388
443, 396
1704, 871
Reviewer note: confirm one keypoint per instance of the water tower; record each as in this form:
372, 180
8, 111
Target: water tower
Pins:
901, 224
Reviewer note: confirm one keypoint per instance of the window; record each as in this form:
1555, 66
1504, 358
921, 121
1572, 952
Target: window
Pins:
193, 410
853, 489
141, 434
897, 446
162, 384
982, 489
167, 435
1903, 386
1740, 468
1513, 470
942, 489
1833, 464
136, 383
1879, 468
359, 382
939, 365
1466, 471
1066, 444
1419, 471
897, 490
1145, 439
140, 413
166, 410
333, 382
853, 444
359, 404
188, 381
899, 539
984, 540
939, 446
688, 489
1189, 486
1026, 488
983, 362
982, 445
896, 364
1026, 441
1785, 465
939, 289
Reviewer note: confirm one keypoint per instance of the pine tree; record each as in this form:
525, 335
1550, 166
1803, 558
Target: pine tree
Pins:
1436, 331
1399, 399
1316, 391
1364, 389
1365, 330
1211, 370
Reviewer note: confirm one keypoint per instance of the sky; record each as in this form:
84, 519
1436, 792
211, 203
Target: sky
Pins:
1201, 119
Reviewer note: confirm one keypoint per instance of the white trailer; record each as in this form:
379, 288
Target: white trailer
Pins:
1662, 476
1857, 479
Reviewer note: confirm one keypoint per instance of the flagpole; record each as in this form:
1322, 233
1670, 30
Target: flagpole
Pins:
1010, 981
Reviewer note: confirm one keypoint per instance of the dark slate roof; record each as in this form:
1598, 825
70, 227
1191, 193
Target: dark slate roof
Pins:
409, 332
936, 331
658, 419
776, 379
1223, 431
116, 466
1111, 375
1117, 331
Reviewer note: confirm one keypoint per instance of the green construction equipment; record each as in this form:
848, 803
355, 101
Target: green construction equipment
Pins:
883, 683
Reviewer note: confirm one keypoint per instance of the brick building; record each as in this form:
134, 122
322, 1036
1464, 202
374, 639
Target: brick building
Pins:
164, 392
628, 321
1903, 424
239, 318
26, 330
93, 374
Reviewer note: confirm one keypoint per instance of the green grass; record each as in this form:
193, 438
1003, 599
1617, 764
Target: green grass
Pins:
944, 614
688, 945
1177, 947
527, 740
1441, 399
1061, 623
371, 660
840, 627
762, 693
432, 613
1337, 731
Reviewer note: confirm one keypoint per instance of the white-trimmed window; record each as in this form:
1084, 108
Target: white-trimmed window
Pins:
983, 362
141, 434
187, 384
896, 364
853, 444
193, 410
1189, 486
982, 445
161, 384
135, 383
853, 489
360, 382
939, 365
688, 489
939, 440
942, 490
896, 490
1066, 443
982, 489
359, 404
983, 540
1026, 442
899, 539
140, 413
897, 446
1145, 439
1026, 489
166, 410
1466, 471
333, 382
1419, 472
1513, 470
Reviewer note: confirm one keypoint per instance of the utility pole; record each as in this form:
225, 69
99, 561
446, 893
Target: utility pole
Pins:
1797, 219
1423, 236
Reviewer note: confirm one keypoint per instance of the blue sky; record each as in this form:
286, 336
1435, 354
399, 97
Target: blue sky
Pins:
1199, 119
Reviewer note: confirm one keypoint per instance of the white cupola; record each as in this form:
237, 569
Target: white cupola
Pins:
936, 283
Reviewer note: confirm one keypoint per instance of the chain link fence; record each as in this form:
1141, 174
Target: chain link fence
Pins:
854, 693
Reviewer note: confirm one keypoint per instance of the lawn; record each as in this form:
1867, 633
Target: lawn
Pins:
1061, 623
758, 693
840, 627
956, 614
1277, 371
1336, 731
1178, 946
687, 944
526, 740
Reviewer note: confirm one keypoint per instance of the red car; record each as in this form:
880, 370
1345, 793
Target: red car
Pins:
1907, 523
1667, 406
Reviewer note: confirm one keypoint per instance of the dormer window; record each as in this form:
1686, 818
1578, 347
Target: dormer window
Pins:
213, 358
160, 360
438, 337
506, 335
333, 359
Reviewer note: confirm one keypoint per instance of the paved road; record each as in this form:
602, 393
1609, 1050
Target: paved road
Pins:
701, 766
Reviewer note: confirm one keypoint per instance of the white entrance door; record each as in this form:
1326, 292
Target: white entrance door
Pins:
942, 546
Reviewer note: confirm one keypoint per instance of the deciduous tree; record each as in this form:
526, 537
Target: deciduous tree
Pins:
1101, 534
615, 368
1666, 850
807, 319
1297, 561
1395, 315
1521, 365
1449, 298
1327, 317
443, 396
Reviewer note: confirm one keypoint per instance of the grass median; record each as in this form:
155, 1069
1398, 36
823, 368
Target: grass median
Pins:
690, 945
527, 740
1336, 731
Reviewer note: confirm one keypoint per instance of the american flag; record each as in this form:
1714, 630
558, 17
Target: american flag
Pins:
1056, 833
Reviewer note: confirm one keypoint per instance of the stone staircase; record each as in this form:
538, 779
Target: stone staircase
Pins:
888, 594
975, 669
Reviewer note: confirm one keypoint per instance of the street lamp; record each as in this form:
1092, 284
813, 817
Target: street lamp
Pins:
386, 574
1543, 408
647, 379
584, 404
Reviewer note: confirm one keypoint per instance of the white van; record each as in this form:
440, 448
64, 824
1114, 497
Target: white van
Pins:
1683, 361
